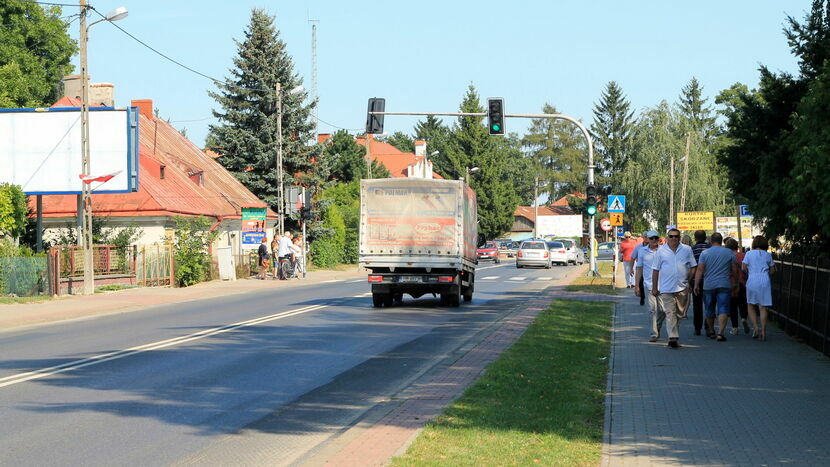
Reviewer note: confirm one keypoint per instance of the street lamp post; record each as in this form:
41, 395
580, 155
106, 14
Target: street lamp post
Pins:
86, 193
280, 182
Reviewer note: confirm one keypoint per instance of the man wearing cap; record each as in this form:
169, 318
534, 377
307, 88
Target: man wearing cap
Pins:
673, 267
645, 260
627, 247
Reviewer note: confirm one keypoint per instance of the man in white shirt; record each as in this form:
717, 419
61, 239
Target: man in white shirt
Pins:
645, 260
673, 267
284, 250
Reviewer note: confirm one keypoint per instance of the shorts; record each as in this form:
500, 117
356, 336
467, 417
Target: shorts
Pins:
720, 298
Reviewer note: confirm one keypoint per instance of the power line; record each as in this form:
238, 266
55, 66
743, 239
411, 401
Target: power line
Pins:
48, 3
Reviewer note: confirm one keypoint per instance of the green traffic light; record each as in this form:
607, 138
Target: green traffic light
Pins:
496, 128
592, 210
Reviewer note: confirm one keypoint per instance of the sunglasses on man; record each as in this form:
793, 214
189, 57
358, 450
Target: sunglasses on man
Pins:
674, 236
654, 238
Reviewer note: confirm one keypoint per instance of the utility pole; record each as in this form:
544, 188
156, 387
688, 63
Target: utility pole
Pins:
536, 207
86, 193
671, 189
368, 155
280, 193
685, 173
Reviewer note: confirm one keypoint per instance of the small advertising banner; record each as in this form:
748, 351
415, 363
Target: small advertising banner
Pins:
253, 227
695, 220
728, 227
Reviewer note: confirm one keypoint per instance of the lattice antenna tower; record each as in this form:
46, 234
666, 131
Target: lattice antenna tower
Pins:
314, 72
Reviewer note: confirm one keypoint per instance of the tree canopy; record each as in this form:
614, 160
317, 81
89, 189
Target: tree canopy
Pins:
35, 53
612, 132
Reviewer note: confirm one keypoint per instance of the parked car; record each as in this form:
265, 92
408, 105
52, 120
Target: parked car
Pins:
533, 253
575, 254
508, 247
605, 251
558, 252
488, 252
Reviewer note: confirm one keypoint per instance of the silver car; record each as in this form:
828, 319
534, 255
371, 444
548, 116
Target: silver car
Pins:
575, 254
533, 253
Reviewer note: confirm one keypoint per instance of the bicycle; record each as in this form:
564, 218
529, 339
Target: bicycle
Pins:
288, 267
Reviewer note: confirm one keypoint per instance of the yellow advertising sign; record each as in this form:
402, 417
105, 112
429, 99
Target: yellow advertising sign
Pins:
695, 220
616, 218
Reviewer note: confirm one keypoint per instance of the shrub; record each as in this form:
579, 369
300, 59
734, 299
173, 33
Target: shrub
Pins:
191, 245
327, 251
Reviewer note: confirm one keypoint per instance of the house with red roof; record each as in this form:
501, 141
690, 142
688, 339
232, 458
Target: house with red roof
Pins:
176, 178
399, 164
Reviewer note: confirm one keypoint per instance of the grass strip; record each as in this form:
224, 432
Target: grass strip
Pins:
541, 402
33, 299
591, 284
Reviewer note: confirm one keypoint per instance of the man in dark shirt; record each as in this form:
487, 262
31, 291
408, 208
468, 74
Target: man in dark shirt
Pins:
697, 300
264, 257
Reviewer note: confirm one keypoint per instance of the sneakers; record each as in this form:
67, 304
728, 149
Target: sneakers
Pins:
734, 331
673, 343
721, 338
697, 332
653, 339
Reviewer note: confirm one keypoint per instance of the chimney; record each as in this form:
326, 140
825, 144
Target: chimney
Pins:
72, 86
323, 137
145, 106
102, 94
420, 148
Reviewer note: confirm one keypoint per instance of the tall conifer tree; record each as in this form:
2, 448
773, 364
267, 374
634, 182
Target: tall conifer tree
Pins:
246, 135
612, 133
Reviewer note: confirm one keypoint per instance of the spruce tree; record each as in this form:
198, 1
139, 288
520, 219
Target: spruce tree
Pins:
246, 135
612, 132
401, 141
699, 116
429, 129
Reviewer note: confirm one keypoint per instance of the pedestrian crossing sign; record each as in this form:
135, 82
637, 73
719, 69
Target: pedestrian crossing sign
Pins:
616, 203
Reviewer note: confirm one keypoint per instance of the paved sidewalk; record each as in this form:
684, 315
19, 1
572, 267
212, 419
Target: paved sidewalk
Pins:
740, 402
84, 306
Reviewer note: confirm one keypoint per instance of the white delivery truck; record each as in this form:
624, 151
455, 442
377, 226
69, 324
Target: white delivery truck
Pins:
418, 236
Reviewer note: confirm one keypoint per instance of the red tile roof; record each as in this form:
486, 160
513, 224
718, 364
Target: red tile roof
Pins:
395, 160
193, 183
563, 201
529, 211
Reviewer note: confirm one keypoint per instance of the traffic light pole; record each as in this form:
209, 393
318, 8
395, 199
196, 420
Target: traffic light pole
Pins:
592, 269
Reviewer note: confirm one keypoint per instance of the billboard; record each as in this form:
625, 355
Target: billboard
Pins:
40, 149
695, 220
253, 227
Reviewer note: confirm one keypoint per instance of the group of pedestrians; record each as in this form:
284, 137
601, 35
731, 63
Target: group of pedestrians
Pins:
721, 282
287, 247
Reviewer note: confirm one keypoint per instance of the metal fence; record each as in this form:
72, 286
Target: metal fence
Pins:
24, 276
801, 299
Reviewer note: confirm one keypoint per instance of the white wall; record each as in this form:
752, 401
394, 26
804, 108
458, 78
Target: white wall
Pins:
560, 226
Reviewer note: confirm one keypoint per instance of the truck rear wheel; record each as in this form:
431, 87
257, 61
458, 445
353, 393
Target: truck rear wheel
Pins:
377, 299
388, 300
468, 294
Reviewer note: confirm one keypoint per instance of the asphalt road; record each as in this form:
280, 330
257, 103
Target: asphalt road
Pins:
267, 377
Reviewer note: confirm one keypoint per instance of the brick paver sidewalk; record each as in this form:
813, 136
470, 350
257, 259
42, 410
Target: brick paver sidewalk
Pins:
740, 402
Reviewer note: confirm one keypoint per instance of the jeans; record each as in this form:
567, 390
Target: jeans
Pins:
697, 306
722, 297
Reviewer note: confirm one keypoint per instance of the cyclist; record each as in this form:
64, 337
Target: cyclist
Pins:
284, 251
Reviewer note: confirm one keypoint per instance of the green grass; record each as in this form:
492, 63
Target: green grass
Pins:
111, 287
540, 403
603, 285
35, 299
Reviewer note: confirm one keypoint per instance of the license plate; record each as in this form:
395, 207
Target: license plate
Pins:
409, 279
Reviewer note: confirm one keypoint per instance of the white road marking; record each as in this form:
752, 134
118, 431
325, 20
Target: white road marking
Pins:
330, 281
105, 357
362, 295
488, 278
520, 278
364, 280
546, 278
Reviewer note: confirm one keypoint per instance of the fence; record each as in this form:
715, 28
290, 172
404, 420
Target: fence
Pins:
24, 276
801, 299
154, 266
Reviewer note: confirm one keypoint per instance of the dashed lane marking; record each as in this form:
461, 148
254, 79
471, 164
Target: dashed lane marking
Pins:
488, 278
519, 278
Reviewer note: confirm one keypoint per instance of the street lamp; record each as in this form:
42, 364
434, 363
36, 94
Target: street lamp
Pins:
281, 193
86, 193
470, 170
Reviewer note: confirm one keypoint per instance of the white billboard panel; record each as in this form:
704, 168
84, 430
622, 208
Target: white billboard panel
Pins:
40, 149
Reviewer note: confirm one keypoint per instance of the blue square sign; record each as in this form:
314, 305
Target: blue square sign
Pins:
616, 203
745, 210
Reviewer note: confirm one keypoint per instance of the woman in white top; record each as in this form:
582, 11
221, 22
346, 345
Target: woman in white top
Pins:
297, 251
759, 265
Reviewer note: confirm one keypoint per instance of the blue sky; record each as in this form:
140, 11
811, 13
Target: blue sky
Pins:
421, 56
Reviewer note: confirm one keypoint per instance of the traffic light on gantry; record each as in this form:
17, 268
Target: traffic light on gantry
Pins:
591, 199
495, 115
374, 122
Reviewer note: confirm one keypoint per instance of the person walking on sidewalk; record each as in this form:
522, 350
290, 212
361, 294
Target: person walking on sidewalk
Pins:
284, 251
759, 265
642, 245
627, 247
673, 267
264, 256
697, 300
645, 260
737, 306
715, 277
